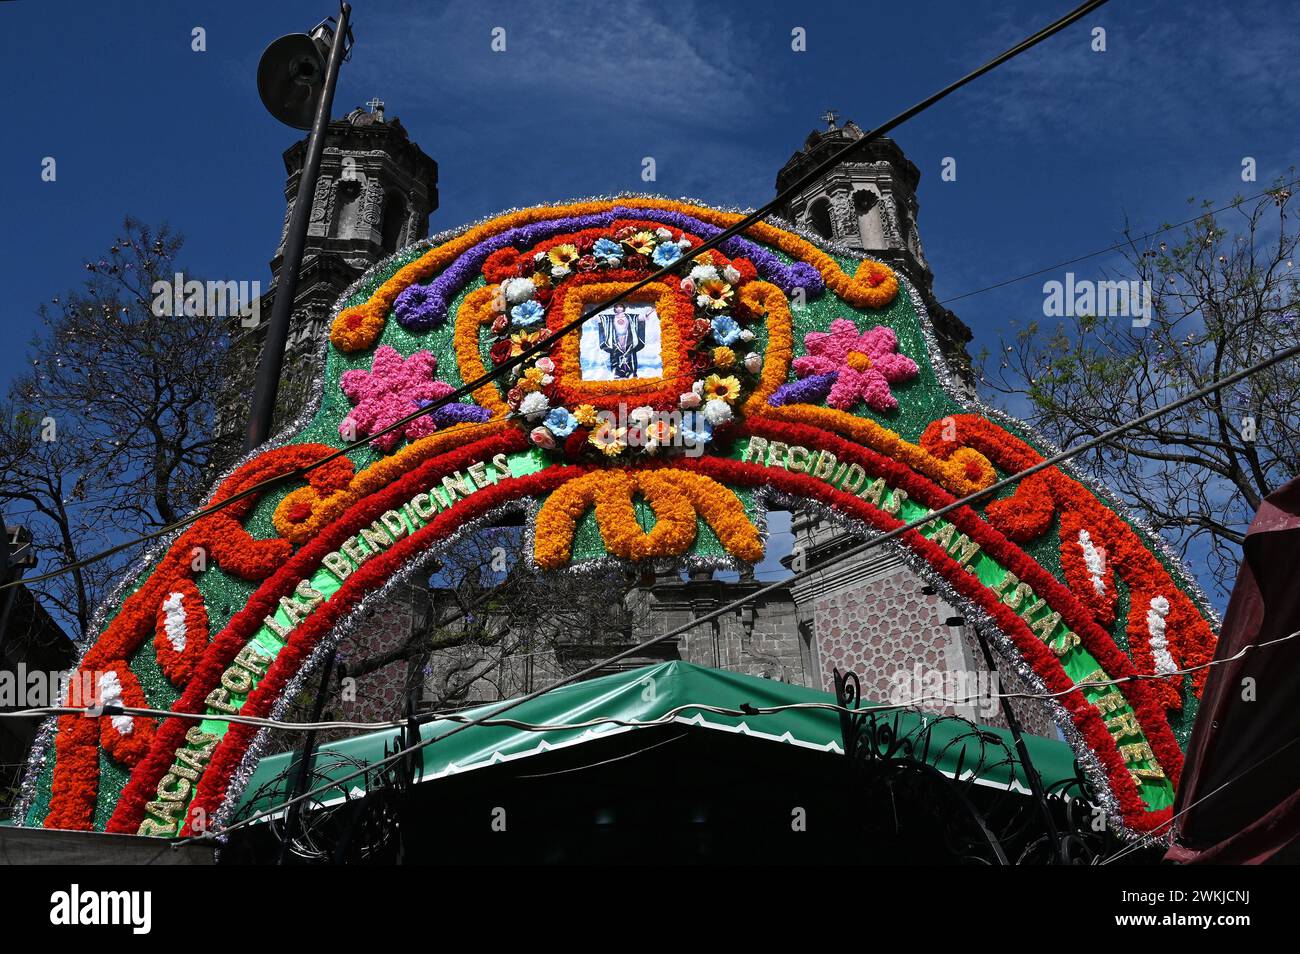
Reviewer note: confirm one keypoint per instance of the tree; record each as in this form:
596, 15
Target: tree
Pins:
490, 628
110, 434
1221, 299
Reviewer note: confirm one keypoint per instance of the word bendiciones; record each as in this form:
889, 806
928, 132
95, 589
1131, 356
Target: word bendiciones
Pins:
175, 790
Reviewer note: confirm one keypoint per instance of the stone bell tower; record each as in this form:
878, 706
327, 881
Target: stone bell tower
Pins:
869, 205
374, 195
870, 613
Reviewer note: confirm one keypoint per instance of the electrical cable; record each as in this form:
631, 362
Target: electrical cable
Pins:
108, 711
1119, 245
545, 345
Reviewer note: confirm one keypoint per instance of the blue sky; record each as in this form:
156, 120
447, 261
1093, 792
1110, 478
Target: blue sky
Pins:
1055, 152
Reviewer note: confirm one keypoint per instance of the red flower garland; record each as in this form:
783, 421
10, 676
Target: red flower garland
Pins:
1149, 712
1191, 641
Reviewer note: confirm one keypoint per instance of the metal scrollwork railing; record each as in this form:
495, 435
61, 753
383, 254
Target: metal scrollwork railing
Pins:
940, 788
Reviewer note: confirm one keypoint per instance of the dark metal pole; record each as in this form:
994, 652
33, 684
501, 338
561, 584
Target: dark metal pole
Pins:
1035, 780
277, 333
305, 760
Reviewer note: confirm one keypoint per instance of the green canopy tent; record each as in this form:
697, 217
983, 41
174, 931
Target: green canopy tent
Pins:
671, 693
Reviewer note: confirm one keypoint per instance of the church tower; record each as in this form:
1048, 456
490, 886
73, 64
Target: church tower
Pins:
374, 195
868, 204
870, 612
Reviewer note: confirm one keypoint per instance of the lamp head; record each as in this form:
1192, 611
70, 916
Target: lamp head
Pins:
291, 75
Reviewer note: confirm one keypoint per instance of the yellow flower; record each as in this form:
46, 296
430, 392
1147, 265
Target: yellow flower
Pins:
521, 341
724, 389
563, 255
704, 258
535, 375
715, 294
608, 438
642, 243
586, 414
724, 357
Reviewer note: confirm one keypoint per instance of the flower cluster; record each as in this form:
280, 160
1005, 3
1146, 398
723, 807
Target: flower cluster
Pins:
223, 540
710, 362
1028, 514
358, 327
843, 367
393, 388
675, 496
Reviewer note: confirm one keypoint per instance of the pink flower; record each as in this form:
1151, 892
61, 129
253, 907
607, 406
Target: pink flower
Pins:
865, 364
392, 388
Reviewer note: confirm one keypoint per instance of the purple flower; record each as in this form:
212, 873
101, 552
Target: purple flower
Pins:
457, 413
421, 308
811, 390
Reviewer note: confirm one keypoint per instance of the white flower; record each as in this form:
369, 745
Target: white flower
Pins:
518, 290
753, 362
663, 235
559, 271
641, 415
731, 275
746, 335
704, 273
717, 412
534, 405
698, 387
684, 243
689, 400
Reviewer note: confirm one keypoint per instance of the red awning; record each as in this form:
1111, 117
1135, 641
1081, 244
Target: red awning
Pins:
1240, 787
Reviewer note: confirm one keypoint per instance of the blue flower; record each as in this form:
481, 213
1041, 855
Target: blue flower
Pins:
528, 313
561, 422
666, 254
607, 249
725, 330
695, 429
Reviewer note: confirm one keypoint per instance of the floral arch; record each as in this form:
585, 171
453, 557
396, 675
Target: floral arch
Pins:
774, 369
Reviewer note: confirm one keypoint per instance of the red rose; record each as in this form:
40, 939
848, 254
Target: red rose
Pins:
587, 263
575, 443
500, 351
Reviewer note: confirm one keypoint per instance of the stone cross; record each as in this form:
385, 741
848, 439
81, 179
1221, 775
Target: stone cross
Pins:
376, 104
830, 116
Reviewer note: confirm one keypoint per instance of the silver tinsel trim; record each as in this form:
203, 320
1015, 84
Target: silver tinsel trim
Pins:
313, 405
340, 632
975, 616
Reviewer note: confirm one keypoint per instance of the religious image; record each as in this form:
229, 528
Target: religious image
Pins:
620, 343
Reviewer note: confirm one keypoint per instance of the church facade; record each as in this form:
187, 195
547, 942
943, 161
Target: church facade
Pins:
869, 613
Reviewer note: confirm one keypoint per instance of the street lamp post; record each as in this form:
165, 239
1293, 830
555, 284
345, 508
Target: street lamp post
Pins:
287, 77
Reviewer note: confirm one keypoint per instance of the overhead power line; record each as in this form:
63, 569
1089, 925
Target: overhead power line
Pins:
742, 224
108, 711
465, 390
1120, 245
